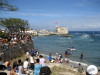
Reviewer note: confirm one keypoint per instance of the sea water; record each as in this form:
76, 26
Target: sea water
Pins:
87, 43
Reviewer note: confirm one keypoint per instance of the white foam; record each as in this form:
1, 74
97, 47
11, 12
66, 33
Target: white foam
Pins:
85, 36
48, 56
78, 62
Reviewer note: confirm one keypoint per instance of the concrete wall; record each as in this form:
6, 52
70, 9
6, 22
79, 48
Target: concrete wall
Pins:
15, 51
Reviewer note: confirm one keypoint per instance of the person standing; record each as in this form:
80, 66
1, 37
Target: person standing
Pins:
37, 67
32, 51
50, 57
80, 68
81, 56
66, 53
31, 62
56, 55
42, 61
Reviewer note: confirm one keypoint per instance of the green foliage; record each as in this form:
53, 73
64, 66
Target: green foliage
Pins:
4, 5
3, 35
14, 24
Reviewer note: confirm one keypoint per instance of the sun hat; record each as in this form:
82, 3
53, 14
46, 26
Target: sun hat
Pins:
92, 70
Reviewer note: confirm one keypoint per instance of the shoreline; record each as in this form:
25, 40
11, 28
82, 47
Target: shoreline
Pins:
71, 62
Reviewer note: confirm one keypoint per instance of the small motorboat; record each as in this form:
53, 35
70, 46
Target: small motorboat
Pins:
72, 48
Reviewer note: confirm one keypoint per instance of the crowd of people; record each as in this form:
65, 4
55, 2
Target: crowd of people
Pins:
14, 39
59, 58
33, 64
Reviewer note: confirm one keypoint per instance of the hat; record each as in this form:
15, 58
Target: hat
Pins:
92, 70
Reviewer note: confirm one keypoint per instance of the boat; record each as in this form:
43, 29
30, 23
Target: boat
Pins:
72, 48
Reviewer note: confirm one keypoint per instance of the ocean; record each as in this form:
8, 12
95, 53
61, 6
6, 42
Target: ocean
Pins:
86, 42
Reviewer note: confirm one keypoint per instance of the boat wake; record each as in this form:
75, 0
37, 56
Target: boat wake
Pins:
85, 36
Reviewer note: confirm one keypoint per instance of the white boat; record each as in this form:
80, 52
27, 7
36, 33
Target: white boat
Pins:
72, 48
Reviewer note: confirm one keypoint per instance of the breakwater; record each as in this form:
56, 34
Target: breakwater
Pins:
15, 51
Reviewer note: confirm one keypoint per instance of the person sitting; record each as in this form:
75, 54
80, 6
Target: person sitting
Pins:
37, 67
15, 63
26, 64
12, 72
19, 62
61, 60
92, 70
67, 60
8, 67
27, 53
6, 63
53, 60
1, 62
21, 69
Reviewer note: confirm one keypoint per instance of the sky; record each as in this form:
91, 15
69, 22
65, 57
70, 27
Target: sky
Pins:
77, 15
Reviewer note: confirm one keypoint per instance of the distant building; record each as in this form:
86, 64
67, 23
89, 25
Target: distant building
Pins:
3, 30
62, 30
44, 32
30, 31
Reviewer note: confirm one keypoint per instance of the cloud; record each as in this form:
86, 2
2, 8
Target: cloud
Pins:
85, 27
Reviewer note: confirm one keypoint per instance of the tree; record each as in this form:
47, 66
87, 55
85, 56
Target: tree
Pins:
3, 35
4, 5
14, 24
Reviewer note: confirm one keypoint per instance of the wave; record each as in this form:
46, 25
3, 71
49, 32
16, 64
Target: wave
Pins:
76, 62
48, 55
84, 36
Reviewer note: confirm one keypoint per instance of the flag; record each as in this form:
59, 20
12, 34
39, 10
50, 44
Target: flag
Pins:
56, 23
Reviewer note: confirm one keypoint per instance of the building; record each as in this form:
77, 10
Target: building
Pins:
3, 30
44, 32
30, 31
61, 30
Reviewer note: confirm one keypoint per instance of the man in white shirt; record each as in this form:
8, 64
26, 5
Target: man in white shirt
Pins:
31, 62
26, 64
42, 61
